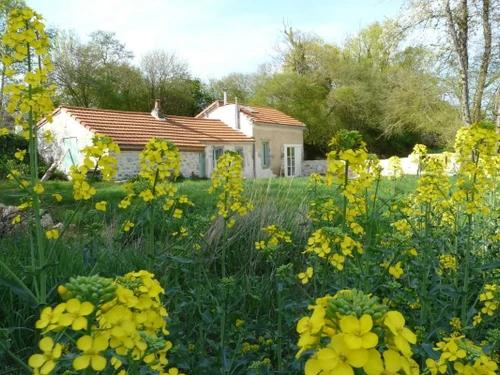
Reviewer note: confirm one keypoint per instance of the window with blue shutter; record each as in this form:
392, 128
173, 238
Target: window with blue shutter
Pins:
266, 159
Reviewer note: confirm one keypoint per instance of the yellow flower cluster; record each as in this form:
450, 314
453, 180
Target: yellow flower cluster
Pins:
97, 157
30, 98
477, 148
160, 165
160, 160
352, 331
275, 235
395, 270
227, 176
418, 155
447, 264
112, 324
394, 167
333, 246
490, 299
463, 356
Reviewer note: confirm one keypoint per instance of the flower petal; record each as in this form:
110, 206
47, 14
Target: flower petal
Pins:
82, 362
36, 360
84, 343
79, 324
101, 343
370, 340
46, 344
343, 369
357, 358
393, 361
47, 367
98, 362
374, 365
313, 367
366, 323
86, 308
66, 320
348, 323
73, 306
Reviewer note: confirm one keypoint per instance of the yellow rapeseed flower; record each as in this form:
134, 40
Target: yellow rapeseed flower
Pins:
357, 332
38, 188
52, 234
76, 312
91, 348
46, 362
101, 206
306, 276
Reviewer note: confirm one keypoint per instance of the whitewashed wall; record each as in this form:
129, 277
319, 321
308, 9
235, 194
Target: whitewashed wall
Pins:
248, 167
227, 114
408, 166
63, 126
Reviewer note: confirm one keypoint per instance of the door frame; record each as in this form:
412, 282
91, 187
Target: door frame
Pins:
297, 159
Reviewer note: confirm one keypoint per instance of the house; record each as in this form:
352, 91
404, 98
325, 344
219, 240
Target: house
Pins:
200, 141
279, 138
260, 135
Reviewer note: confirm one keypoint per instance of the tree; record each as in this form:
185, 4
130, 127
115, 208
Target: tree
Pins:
238, 85
471, 30
86, 74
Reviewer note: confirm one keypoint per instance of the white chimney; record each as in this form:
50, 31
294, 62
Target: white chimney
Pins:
237, 113
225, 96
157, 113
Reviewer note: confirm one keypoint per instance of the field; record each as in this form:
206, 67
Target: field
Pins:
261, 276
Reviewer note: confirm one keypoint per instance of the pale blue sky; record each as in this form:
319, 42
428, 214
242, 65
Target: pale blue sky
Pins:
215, 37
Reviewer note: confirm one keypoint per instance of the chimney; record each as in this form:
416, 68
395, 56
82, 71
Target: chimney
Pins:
157, 113
225, 96
237, 113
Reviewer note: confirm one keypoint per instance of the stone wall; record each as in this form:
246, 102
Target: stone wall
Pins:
128, 164
313, 166
190, 165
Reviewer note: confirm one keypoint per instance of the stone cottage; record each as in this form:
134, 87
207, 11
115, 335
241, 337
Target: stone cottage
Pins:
200, 141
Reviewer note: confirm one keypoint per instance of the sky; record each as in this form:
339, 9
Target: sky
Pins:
215, 37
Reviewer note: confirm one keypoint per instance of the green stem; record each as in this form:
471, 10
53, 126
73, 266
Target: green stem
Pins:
279, 349
151, 242
11, 273
18, 360
40, 243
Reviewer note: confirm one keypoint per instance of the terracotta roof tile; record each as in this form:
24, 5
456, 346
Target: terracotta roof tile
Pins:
266, 115
137, 128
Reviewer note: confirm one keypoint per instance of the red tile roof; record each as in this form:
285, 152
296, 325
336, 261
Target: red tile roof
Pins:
137, 128
265, 115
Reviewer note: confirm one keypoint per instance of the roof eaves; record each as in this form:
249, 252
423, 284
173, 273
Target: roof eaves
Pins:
215, 104
303, 126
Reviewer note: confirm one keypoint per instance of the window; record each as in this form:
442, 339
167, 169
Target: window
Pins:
290, 161
239, 150
218, 151
266, 160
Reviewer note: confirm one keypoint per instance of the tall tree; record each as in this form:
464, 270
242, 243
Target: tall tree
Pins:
82, 69
471, 30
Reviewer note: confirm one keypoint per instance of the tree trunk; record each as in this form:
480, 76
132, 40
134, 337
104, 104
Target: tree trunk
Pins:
458, 28
485, 62
497, 107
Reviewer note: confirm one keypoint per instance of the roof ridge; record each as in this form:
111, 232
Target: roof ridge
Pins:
101, 109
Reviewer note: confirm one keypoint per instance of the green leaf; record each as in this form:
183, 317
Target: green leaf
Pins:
179, 259
488, 266
17, 289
